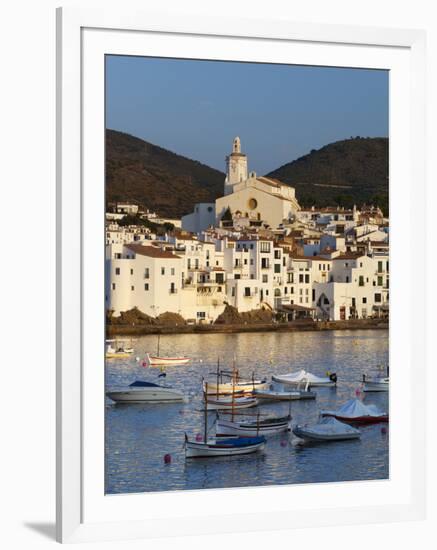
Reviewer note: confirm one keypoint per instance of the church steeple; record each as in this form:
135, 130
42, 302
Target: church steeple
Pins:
236, 166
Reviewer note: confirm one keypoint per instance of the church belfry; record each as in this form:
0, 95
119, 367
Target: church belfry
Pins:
236, 166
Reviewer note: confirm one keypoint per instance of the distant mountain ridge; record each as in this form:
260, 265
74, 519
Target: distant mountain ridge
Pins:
352, 171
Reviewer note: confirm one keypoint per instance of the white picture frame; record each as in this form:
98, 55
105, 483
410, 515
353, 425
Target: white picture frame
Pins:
83, 511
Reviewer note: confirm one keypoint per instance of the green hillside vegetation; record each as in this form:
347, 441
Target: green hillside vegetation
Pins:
348, 172
156, 178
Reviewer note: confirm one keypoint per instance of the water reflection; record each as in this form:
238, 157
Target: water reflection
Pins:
138, 436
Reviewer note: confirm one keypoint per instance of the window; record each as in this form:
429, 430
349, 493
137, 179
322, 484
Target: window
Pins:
277, 268
146, 286
247, 291
245, 262
117, 271
277, 292
132, 288
277, 254
307, 278
347, 279
172, 288
364, 300
265, 278
251, 261
237, 276
313, 295
264, 246
189, 263
117, 255
307, 291
380, 280
172, 271
301, 278
264, 263
201, 315
300, 291
233, 291
146, 273
131, 271
306, 300
361, 281
290, 278
113, 286
379, 267
285, 290
162, 270
292, 290
378, 297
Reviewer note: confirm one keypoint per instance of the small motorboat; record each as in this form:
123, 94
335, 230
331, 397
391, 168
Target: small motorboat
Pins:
266, 426
223, 447
292, 395
118, 349
145, 392
355, 411
295, 378
328, 429
376, 383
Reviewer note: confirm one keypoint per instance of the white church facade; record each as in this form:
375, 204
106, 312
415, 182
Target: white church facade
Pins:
251, 200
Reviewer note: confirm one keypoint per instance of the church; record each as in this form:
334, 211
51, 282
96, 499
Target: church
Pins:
248, 201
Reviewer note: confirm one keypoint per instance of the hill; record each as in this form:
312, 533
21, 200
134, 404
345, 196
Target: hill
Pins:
159, 179
352, 171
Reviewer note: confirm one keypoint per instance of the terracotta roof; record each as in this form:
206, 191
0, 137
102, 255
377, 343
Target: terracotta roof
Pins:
349, 256
151, 251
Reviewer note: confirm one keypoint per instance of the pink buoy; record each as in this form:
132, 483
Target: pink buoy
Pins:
167, 458
358, 392
384, 430
199, 437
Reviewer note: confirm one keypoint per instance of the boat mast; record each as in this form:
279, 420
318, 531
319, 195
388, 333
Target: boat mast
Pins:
157, 352
218, 375
205, 420
233, 389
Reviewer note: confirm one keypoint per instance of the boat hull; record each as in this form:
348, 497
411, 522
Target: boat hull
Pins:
287, 382
225, 427
154, 361
284, 396
359, 419
146, 396
300, 431
226, 388
376, 385
115, 355
207, 450
228, 404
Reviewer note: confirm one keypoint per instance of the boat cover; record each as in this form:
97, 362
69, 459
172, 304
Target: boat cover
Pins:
355, 408
141, 384
302, 375
330, 426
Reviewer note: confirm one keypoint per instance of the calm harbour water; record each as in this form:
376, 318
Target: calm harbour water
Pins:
138, 436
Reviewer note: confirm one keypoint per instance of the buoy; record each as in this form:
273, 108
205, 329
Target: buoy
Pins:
167, 458
358, 392
199, 437
384, 430
137, 359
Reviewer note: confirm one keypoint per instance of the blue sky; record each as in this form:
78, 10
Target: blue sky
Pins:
281, 112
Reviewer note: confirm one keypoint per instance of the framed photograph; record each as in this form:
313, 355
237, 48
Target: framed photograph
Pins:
236, 273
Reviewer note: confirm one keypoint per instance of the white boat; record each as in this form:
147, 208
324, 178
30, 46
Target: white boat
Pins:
241, 386
229, 403
118, 349
292, 395
376, 384
356, 411
161, 361
328, 429
158, 361
145, 392
299, 377
266, 426
223, 447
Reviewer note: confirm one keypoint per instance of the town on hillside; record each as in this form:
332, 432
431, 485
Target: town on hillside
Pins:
252, 250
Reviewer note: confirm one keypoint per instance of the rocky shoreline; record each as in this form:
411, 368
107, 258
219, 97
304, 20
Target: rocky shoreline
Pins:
295, 326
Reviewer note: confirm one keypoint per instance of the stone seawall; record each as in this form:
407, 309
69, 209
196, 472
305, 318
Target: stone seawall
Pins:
296, 326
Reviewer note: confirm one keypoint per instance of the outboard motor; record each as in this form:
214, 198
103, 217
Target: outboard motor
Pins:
333, 377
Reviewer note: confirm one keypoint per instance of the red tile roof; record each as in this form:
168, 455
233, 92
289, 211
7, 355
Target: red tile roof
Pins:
151, 251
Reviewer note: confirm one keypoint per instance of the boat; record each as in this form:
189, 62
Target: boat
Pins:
292, 395
219, 446
295, 378
327, 429
228, 403
145, 392
235, 385
118, 349
376, 383
355, 411
266, 426
224, 447
161, 361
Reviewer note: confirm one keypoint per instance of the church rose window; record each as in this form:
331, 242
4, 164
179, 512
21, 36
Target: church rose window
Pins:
253, 204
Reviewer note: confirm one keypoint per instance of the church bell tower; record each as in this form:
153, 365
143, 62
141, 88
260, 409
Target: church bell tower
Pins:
236, 167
